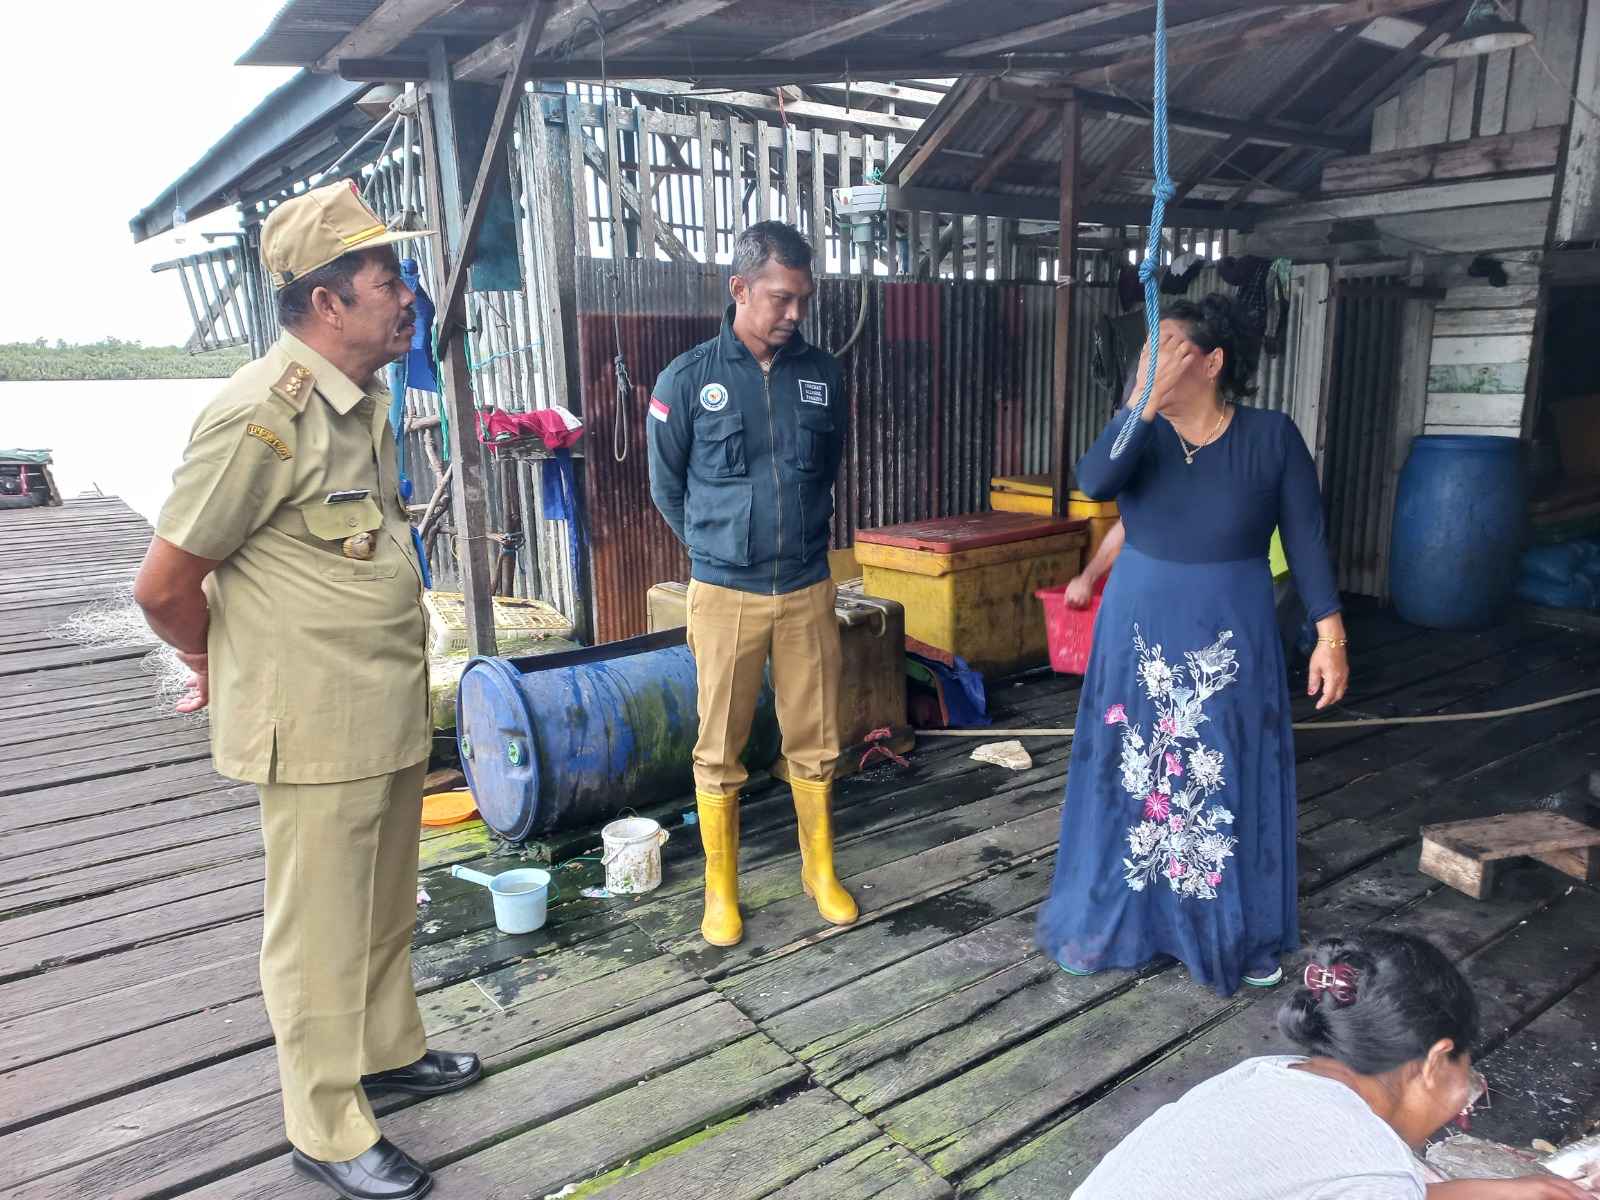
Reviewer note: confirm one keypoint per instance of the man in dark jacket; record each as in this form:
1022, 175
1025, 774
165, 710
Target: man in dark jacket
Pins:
746, 435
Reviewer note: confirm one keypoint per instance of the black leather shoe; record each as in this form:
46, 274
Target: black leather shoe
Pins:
384, 1172
436, 1072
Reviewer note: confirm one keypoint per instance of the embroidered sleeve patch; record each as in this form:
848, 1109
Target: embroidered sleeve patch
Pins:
659, 410
813, 392
263, 434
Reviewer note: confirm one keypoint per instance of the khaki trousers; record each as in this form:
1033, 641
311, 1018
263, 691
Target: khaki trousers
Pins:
732, 634
336, 949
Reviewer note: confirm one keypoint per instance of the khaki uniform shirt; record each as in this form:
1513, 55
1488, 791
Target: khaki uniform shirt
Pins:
318, 659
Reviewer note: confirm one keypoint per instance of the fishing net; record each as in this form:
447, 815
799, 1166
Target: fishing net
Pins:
117, 621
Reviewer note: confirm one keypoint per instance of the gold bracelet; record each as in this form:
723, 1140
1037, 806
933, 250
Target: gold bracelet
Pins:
1321, 641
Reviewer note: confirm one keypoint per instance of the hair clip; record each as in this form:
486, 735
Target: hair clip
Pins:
1339, 981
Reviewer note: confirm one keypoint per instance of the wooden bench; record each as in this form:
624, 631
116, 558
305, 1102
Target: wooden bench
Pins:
1463, 854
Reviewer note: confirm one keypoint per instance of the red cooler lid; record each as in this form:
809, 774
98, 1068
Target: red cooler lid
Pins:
950, 535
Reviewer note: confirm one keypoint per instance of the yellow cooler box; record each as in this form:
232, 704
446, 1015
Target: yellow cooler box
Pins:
967, 583
1035, 494
872, 690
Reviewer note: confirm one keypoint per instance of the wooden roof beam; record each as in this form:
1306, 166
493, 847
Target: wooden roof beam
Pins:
1271, 132
1056, 27
494, 58
657, 23
1290, 91
960, 102
1355, 107
884, 91
1209, 43
1032, 126
1044, 208
812, 110
874, 19
391, 23
490, 61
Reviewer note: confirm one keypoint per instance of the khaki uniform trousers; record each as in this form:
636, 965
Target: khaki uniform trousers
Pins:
732, 634
336, 949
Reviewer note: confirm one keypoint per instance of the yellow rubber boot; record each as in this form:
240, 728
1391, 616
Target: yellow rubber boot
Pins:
813, 806
719, 836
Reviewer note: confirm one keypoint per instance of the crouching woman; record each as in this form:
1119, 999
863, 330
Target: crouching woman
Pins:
1387, 1025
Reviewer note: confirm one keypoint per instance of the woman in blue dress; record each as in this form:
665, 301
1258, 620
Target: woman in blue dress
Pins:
1178, 834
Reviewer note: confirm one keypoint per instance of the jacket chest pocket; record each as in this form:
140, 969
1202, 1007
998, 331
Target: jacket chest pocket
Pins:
814, 435
719, 446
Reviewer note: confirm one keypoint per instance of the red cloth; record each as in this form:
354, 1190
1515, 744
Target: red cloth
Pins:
550, 425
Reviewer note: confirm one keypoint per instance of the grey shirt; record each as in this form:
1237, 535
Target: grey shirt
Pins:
1261, 1131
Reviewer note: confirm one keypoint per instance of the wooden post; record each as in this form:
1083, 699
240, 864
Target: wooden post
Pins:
559, 226
469, 500
708, 189
642, 139
1066, 256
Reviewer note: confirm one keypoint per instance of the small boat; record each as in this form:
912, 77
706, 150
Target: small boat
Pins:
26, 480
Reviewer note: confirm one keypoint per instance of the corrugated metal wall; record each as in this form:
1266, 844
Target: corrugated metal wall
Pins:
949, 385
1358, 486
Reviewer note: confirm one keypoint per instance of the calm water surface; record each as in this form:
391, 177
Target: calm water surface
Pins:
122, 436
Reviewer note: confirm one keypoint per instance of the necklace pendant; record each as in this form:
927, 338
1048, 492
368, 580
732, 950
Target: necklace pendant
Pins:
1189, 458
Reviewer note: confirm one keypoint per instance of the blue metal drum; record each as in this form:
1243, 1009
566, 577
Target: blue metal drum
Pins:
555, 741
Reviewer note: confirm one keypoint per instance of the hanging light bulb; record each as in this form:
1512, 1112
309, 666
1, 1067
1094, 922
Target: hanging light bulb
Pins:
1486, 30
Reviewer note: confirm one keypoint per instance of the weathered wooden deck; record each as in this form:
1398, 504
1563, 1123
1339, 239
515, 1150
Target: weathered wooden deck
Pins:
926, 1050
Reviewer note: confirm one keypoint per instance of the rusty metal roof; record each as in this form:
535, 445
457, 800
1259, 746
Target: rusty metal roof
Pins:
1240, 87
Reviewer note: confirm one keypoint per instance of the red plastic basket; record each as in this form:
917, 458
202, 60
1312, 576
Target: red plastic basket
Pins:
1069, 631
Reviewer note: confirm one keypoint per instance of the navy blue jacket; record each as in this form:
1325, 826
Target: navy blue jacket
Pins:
742, 462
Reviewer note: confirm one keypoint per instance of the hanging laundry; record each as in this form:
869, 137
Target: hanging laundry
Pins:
1250, 275
1129, 290
420, 371
1181, 274
554, 426
1276, 331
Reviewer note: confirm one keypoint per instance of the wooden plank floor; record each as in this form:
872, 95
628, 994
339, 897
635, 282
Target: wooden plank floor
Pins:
925, 1050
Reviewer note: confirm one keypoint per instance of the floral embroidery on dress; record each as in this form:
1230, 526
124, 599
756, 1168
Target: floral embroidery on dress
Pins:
1173, 774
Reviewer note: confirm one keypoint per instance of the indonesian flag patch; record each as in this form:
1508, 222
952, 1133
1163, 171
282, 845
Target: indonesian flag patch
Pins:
659, 410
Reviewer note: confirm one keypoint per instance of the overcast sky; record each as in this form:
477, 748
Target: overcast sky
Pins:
105, 103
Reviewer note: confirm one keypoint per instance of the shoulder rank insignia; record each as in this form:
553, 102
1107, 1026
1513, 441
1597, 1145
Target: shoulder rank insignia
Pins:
295, 386
263, 434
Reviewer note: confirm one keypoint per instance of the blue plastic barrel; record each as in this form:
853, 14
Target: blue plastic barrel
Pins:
1459, 524
554, 741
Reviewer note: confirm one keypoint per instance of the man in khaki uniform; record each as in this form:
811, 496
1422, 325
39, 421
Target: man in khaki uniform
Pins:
283, 571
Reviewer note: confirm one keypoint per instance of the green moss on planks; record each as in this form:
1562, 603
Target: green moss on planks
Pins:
1478, 379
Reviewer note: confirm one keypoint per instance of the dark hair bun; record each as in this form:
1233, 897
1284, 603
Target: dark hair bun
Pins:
1379, 1000
1218, 322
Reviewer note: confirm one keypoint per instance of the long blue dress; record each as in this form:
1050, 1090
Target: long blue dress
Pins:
1178, 834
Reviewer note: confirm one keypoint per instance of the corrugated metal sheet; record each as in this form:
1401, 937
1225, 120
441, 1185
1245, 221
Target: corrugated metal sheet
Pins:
950, 384
1238, 88
1358, 484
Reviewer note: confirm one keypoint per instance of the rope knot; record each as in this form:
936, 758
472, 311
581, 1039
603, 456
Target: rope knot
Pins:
1163, 190
1147, 269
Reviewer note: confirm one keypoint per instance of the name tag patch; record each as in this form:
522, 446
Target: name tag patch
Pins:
262, 434
812, 392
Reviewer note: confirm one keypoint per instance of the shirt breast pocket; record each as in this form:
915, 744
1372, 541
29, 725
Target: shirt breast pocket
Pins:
719, 446
815, 434
334, 528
